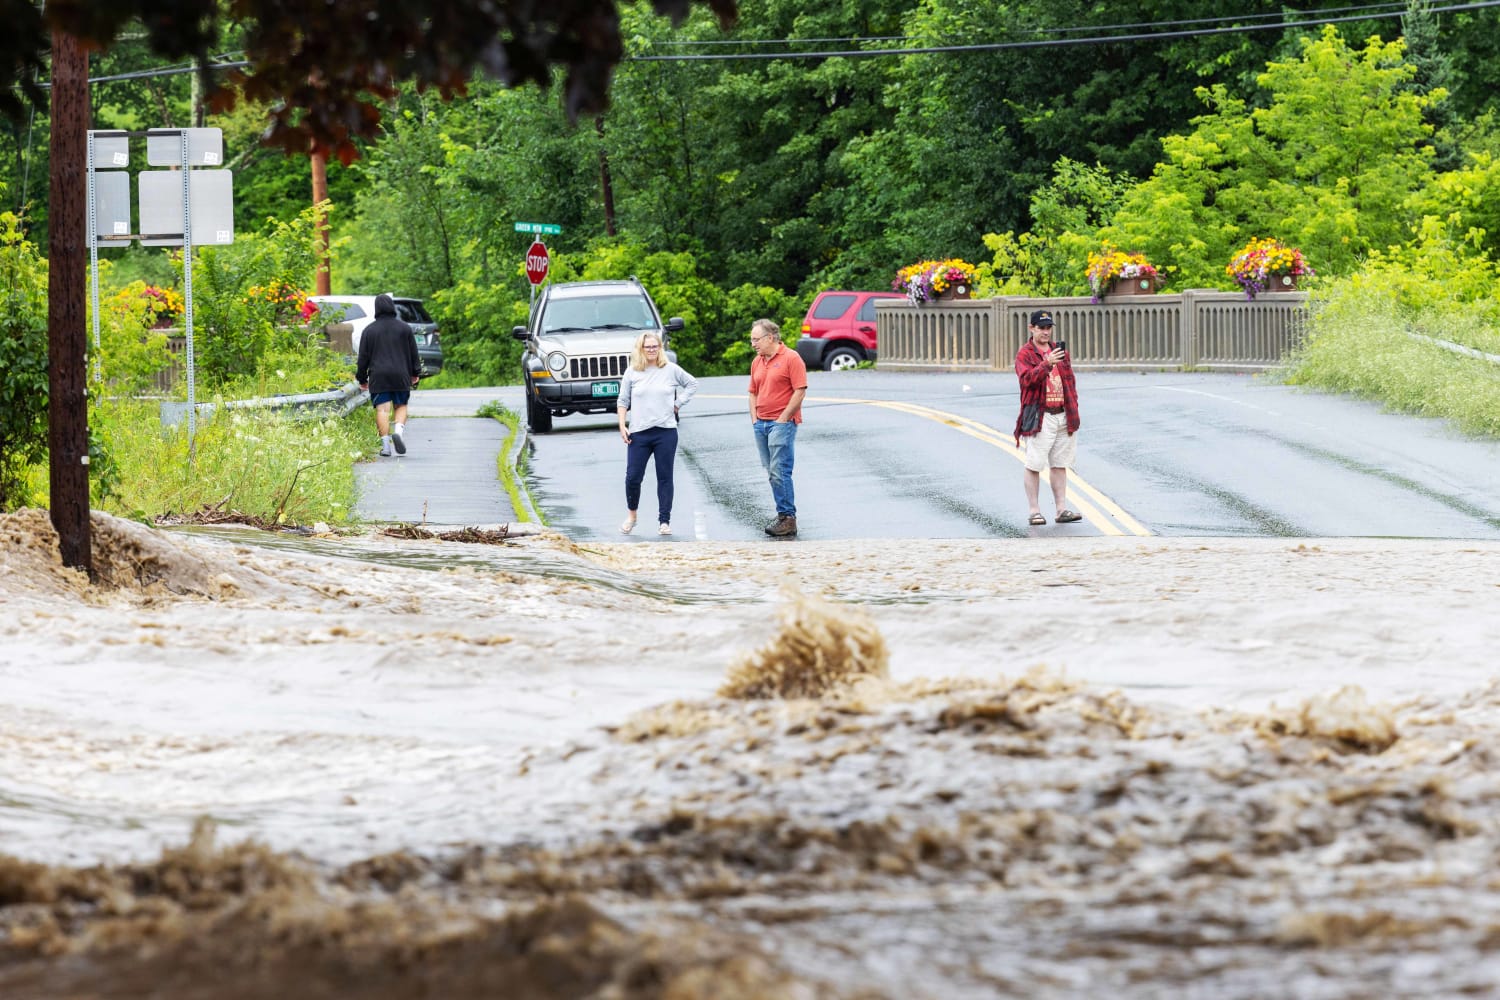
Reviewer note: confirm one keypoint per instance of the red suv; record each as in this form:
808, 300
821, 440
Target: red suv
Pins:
839, 331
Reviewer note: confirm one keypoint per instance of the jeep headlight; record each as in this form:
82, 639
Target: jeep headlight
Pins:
557, 361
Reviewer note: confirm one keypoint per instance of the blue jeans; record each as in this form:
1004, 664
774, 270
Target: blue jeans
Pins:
661, 442
777, 446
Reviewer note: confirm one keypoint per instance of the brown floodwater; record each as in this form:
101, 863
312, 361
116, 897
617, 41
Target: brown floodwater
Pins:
245, 765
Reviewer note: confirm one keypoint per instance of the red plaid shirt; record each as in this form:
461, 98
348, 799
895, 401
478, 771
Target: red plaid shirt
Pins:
1032, 370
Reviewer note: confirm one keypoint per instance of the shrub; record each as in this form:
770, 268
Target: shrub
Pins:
23, 362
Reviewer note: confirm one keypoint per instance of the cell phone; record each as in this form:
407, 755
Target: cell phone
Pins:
1061, 345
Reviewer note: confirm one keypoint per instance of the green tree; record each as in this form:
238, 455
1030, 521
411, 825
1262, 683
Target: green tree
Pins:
245, 297
1330, 164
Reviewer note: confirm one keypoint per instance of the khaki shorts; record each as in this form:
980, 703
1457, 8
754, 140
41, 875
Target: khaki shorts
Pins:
1052, 447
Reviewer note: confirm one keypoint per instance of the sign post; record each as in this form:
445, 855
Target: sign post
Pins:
537, 260
179, 207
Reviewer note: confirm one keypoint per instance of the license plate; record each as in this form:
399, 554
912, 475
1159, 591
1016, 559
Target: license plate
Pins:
606, 388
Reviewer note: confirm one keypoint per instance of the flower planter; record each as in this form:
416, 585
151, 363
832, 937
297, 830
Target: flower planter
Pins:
1122, 287
1281, 283
917, 281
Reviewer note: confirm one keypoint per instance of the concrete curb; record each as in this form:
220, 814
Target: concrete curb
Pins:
513, 459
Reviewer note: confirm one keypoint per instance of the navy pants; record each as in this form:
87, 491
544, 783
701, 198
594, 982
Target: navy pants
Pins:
662, 443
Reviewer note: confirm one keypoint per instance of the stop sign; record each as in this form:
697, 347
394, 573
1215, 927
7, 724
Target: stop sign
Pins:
537, 263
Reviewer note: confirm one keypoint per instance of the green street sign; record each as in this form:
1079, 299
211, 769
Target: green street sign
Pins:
540, 228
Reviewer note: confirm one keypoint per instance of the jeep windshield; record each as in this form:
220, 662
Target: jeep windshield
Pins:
606, 312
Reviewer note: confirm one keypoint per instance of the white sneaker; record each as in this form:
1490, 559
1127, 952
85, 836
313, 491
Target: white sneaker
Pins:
385, 449
398, 442
627, 526
665, 529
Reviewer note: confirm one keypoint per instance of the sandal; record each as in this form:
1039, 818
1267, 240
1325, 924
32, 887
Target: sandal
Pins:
627, 526
1036, 519
1068, 517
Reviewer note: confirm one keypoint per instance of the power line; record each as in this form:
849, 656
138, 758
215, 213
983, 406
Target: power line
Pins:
143, 74
1399, 6
1054, 42
146, 74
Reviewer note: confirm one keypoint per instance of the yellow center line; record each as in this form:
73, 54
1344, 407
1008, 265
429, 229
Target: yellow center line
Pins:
1105, 516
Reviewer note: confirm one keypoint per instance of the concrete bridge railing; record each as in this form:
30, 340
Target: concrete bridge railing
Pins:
1194, 329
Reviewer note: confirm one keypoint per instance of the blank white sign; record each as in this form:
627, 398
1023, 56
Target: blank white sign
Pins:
212, 194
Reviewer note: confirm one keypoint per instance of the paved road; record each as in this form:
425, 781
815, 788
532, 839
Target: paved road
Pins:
914, 455
449, 474
930, 455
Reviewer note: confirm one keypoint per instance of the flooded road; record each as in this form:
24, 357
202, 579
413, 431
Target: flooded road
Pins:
387, 767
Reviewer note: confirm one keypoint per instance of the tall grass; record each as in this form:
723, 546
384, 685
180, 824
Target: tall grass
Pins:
261, 463
1366, 343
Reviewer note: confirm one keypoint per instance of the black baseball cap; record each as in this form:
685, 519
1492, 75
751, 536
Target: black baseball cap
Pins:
1041, 318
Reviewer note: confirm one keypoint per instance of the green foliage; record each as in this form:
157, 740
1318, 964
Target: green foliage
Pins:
242, 311
1328, 166
1359, 344
717, 322
261, 463
292, 370
130, 354
1066, 211
1372, 333
476, 322
23, 362
1443, 270
148, 265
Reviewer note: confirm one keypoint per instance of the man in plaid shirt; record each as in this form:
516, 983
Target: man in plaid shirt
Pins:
1048, 419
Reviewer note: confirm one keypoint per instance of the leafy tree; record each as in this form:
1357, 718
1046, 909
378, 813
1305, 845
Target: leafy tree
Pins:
1066, 212
1330, 164
743, 162
973, 134
1434, 74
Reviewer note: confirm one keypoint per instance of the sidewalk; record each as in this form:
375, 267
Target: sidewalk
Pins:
449, 474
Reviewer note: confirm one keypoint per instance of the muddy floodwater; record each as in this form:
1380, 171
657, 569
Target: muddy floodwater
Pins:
242, 764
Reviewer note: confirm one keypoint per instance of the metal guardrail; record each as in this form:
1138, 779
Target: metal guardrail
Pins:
1199, 328
338, 402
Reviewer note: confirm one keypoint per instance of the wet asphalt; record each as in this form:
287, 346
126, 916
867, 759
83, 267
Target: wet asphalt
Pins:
449, 475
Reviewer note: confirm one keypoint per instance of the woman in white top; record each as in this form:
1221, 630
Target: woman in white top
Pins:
652, 393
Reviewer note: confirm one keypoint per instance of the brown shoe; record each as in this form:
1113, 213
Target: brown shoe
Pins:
771, 528
786, 527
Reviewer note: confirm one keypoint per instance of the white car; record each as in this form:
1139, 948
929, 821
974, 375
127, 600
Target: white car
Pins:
359, 312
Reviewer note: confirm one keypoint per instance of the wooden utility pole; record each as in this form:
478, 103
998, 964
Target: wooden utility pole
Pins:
320, 221
67, 393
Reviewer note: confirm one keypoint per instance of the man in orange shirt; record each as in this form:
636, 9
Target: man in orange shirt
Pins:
778, 381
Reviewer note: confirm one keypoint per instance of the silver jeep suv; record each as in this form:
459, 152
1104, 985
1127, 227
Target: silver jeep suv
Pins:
578, 346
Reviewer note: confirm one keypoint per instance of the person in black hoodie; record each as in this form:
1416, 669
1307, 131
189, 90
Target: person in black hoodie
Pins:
388, 369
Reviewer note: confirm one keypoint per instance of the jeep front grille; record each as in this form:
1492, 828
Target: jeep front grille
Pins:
598, 366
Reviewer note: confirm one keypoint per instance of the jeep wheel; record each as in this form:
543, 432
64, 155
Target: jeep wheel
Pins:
538, 417
841, 359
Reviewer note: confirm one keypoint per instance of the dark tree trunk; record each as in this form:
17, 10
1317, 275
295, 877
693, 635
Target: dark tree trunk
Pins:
67, 396
606, 187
